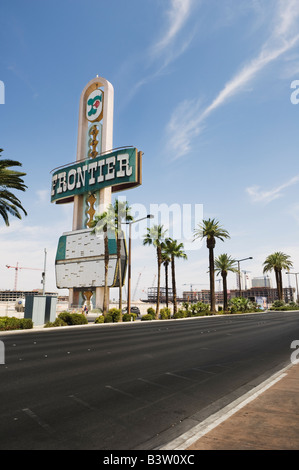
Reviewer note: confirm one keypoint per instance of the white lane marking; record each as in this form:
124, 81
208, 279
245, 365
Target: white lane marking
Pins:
152, 383
179, 376
38, 420
82, 402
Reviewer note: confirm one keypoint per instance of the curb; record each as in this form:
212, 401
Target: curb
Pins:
191, 436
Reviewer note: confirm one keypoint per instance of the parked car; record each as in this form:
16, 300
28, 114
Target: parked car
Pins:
133, 310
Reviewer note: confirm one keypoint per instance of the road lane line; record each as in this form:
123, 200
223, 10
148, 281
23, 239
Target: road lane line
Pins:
142, 400
83, 403
153, 383
179, 376
38, 420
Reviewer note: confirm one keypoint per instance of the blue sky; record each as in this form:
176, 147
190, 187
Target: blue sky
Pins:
202, 87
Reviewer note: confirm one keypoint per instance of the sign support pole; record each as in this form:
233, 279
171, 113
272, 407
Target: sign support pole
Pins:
104, 196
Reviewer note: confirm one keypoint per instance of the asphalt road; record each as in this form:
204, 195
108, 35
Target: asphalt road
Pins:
133, 386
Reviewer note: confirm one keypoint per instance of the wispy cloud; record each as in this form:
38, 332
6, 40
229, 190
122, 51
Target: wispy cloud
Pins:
178, 14
182, 131
169, 47
283, 38
258, 195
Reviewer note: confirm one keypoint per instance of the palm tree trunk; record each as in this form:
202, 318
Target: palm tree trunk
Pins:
173, 285
278, 284
105, 302
166, 283
159, 259
212, 279
224, 278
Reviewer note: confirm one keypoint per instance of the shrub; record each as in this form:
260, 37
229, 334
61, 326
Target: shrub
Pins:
280, 306
13, 323
293, 305
100, 319
26, 324
195, 309
57, 322
180, 314
115, 314
152, 312
129, 317
146, 317
201, 309
278, 303
108, 318
165, 313
73, 318
242, 305
112, 316
78, 319
66, 317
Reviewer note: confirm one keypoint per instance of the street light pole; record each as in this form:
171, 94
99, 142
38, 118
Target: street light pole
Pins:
149, 216
239, 272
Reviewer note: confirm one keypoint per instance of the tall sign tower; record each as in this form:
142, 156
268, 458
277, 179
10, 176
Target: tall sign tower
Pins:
89, 183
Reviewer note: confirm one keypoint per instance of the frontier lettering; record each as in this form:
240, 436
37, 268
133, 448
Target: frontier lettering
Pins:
113, 169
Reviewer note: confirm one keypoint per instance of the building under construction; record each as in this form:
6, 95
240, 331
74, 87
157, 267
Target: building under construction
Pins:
13, 295
152, 295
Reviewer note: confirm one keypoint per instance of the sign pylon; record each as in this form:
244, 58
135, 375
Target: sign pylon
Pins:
88, 183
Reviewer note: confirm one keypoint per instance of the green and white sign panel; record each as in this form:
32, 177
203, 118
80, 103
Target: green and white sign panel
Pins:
120, 169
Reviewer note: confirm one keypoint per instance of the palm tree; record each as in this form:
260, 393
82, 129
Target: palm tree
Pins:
174, 250
9, 203
104, 223
166, 261
155, 236
224, 264
211, 230
122, 214
277, 262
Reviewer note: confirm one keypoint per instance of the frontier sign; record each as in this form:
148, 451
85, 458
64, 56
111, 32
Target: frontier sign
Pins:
83, 263
120, 169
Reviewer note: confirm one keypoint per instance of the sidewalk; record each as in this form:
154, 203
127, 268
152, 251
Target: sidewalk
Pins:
268, 422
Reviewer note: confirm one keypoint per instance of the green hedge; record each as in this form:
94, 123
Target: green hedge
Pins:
13, 323
112, 316
180, 314
73, 318
57, 322
100, 319
129, 316
165, 313
281, 306
147, 317
151, 312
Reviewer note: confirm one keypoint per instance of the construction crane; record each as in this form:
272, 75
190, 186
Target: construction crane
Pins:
17, 267
191, 286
